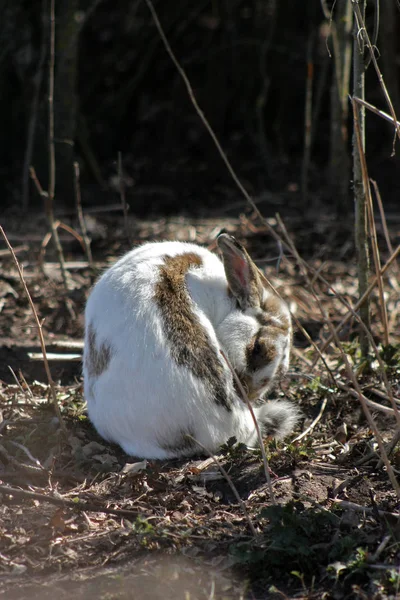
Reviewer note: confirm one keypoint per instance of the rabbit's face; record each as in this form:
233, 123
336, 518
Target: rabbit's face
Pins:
258, 334
266, 360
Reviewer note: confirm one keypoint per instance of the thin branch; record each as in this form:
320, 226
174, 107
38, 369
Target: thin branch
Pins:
38, 79
370, 218
374, 405
49, 198
384, 223
364, 35
40, 332
368, 291
81, 218
313, 424
18, 465
377, 111
58, 224
351, 375
86, 506
200, 112
365, 509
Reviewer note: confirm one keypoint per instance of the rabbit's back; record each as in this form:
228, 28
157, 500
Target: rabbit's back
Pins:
150, 329
139, 288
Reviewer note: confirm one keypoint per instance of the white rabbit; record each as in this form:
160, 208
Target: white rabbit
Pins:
156, 322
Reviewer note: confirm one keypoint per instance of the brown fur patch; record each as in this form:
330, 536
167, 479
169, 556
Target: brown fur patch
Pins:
261, 351
271, 310
190, 345
97, 357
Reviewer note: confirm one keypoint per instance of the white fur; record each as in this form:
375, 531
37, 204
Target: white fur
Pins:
144, 399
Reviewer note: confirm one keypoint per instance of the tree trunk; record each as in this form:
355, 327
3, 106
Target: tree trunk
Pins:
65, 98
339, 155
361, 237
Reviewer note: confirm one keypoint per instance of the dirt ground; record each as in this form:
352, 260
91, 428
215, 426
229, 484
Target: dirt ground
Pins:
80, 518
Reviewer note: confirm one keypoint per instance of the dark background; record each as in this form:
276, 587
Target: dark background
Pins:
116, 89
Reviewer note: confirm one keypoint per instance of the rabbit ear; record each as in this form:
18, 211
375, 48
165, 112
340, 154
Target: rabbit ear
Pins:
242, 274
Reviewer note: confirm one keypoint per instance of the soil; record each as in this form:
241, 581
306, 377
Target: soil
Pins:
101, 524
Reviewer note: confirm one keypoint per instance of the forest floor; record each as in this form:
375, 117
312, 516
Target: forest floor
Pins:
101, 524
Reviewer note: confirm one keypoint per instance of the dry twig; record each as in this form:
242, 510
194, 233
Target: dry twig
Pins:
350, 371
87, 506
40, 332
371, 222
81, 218
49, 196
362, 32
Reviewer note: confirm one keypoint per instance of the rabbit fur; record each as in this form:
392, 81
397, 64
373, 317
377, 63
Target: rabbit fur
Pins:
155, 380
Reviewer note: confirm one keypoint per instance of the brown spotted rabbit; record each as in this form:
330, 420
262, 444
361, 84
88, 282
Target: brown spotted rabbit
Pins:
156, 321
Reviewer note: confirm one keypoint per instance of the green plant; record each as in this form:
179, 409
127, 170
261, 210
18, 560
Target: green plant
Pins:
233, 450
295, 539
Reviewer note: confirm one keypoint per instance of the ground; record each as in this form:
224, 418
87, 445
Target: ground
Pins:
79, 517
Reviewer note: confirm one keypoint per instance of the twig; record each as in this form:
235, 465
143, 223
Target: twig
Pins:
313, 424
49, 197
368, 291
380, 548
17, 250
362, 325
25, 383
87, 506
351, 374
371, 422
28, 454
370, 218
53, 356
383, 395
365, 509
200, 112
230, 482
24, 392
374, 405
377, 111
40, 332
256, 425
390, 446
21, 466
364, 35
81, 218
48, 236
352, 312
316, 274
30, 138
374, 347
383, 220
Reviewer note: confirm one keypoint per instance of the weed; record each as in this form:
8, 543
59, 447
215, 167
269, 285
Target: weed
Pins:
295, 539
234, 450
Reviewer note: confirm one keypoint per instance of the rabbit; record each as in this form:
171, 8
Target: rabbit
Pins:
155, 379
